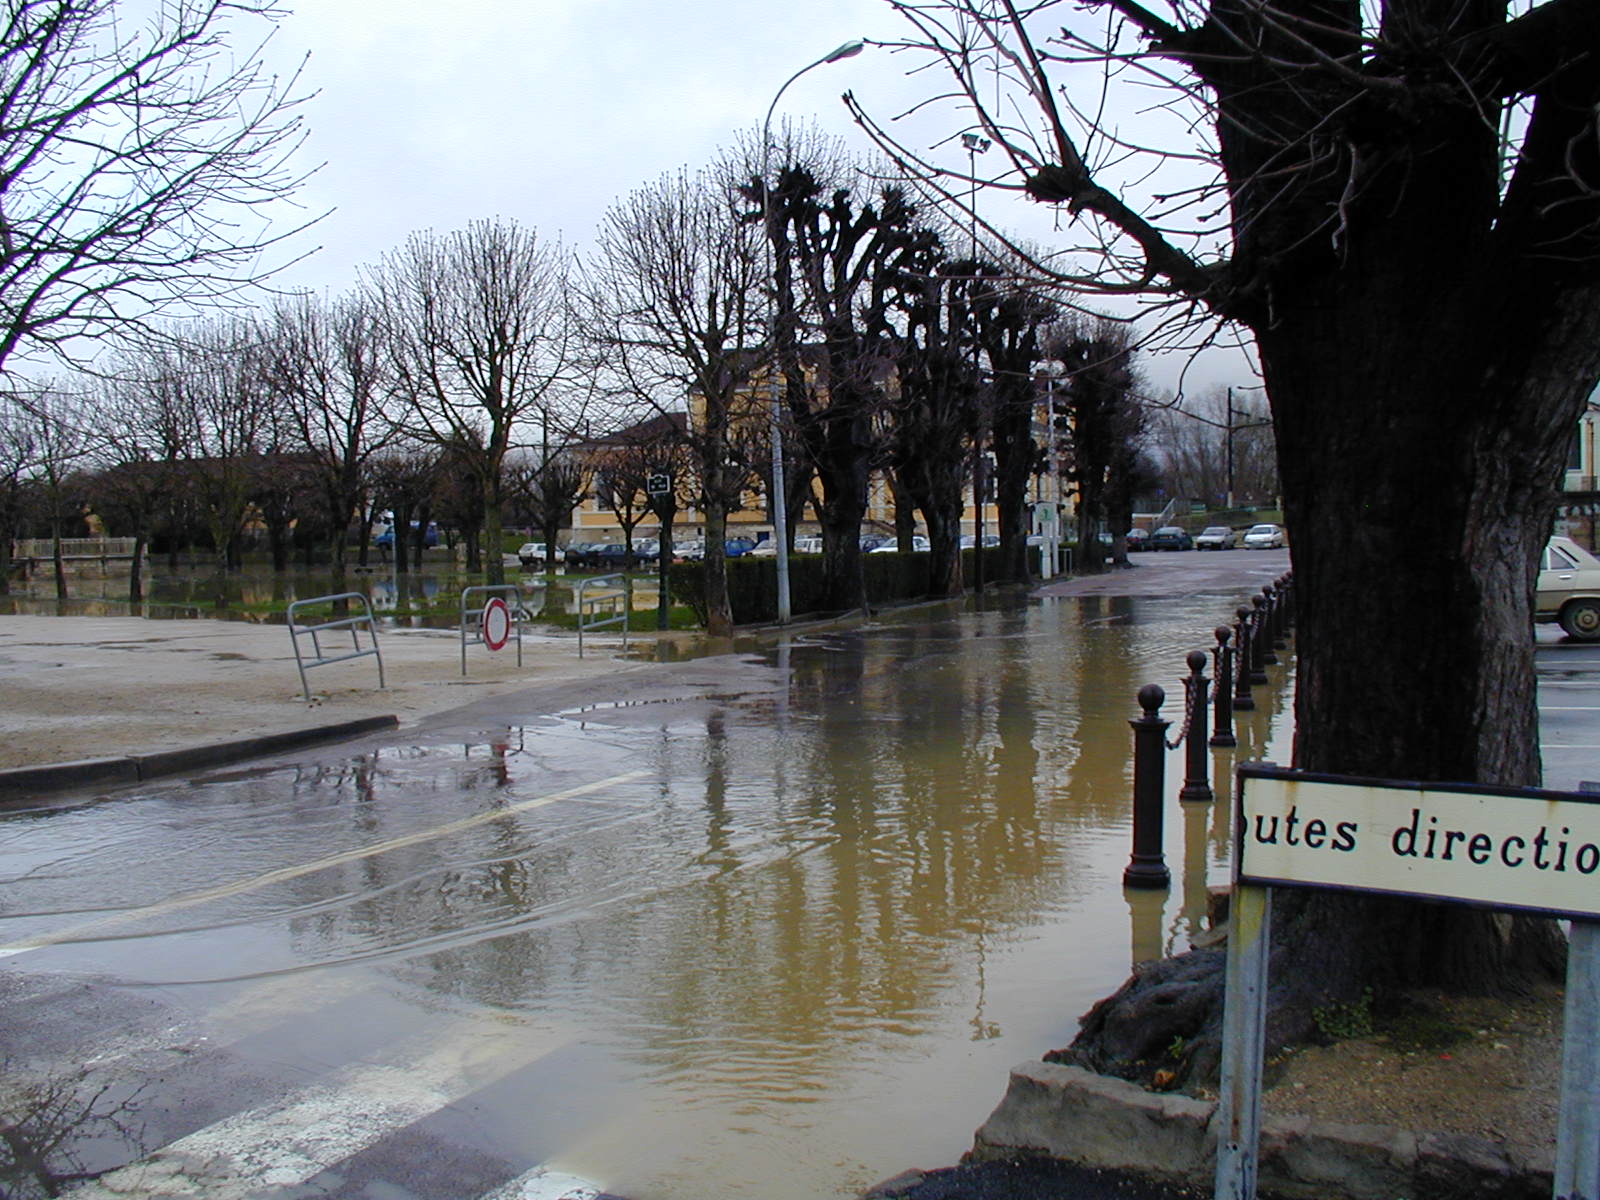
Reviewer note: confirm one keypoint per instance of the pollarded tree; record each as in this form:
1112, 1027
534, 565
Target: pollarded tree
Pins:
1009, 315
141, 154
930, 418
840, 253
1104, 418
1412, 191
480, 343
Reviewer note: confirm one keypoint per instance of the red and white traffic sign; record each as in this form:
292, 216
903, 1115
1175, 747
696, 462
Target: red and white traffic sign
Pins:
496, 624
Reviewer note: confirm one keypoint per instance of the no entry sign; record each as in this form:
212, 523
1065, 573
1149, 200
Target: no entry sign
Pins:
496, 623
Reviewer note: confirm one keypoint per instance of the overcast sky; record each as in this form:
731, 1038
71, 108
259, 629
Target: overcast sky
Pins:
429, 116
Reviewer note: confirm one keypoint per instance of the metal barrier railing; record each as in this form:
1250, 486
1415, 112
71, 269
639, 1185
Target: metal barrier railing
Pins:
472, 633
614, 598
355, 625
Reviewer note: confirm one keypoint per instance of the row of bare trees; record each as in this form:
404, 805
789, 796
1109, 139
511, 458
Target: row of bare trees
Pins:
833, 309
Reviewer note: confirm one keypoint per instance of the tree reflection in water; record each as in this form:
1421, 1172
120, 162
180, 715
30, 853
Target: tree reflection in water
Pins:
48, 1127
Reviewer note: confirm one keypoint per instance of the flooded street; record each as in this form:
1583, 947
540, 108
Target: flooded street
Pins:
772, 925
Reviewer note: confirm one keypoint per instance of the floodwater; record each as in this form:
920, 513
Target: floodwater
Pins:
778, 933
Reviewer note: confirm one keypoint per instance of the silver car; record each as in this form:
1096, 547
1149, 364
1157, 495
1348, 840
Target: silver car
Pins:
1264, 537
1215, 537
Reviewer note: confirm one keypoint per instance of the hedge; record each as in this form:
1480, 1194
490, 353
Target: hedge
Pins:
753, 583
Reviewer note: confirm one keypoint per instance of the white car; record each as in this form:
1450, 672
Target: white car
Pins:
919, 545
1568, 590
531, 554
1264, 537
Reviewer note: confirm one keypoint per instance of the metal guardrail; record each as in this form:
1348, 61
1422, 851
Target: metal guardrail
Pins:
472, 618
614, 598
355, 625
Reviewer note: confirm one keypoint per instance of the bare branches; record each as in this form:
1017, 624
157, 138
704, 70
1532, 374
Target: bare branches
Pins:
137, 170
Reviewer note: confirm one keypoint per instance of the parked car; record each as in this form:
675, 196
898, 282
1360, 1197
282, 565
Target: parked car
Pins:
1215, 537
765, 548
1264, 537
691, 551
808, 545
738, 546
532, 554
1568, 590
1138, 539
385, 536
1170, 537
919, 545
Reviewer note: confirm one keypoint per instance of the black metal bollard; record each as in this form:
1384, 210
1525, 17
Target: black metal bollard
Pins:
1147, 868
1196, 774
1264, 620
1243, 701
1224, 704
1278, 602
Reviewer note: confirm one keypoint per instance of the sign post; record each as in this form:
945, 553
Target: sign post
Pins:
1523, 850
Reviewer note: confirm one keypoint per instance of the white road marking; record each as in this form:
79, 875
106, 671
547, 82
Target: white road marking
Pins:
541, 1183
287, 1143
283, 874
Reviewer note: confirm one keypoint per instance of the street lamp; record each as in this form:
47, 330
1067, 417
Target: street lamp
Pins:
976, 145
779, 502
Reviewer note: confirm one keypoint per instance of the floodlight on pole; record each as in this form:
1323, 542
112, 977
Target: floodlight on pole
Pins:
778, 501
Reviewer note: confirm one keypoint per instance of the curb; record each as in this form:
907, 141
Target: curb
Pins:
22, 783
1064, 1112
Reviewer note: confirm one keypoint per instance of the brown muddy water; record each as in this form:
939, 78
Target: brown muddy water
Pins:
777, 931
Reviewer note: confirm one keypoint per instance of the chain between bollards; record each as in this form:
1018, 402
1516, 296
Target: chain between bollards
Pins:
1223, 671
1196, 776
1242, 700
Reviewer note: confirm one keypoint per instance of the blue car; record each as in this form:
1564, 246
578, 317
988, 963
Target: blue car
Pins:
385, 539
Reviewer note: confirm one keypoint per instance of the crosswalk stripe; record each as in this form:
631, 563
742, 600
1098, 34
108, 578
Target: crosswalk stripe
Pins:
541, 1183
288, 1142
283, 874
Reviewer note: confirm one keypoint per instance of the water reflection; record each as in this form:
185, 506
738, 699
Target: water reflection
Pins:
260, 595
805, 921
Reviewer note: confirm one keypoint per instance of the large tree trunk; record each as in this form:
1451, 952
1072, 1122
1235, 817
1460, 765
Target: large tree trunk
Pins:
1420, 478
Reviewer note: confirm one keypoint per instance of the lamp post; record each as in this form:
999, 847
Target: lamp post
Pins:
779, 502
975, 146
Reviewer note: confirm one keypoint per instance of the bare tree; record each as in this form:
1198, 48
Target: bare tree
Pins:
227, 401
18, 456
63, 441
1412, 198
141, 160
326, 359
480, 337
677, 303
1218, 447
